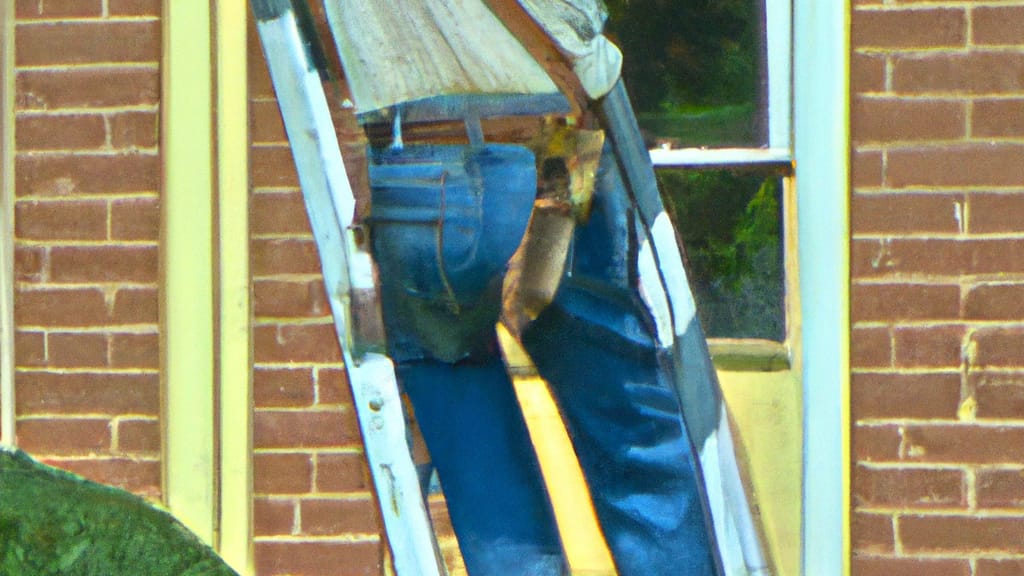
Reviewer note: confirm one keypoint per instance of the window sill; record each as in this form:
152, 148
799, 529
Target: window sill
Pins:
721, 157
749, 355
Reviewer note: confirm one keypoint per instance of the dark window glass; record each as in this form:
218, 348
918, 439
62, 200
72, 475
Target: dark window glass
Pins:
731, 225
695, 70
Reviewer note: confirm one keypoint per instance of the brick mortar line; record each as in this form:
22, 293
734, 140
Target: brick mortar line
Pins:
262, 321
96, 457
327, 495
951, 423
936, 4
40, 416
936, 190
911, 279
344, 450
963, 95
113, 197
969, 25
943, 511
994, 514
272, 191
90, 66
87, 371
30, 22
913, 98
977, 422
346, 538
930, 143
970, 487
288, 278
130, 418
291, 278
943, 49
90, 111
88, 152
924, 467
111, 285
935, 145
304, 235
916, 51
76, 243
269, 190
934, 322
924, 98
105, 147
298, 365
135, 329
967, 191
906, 371
324, 319
928, 146
947, 371
938, 281
896, 235
330, 496
342, 407
932, 555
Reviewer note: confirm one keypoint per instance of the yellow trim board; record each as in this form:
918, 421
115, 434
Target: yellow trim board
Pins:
767, 412
586, 551
187, 311
234, 329
7, 411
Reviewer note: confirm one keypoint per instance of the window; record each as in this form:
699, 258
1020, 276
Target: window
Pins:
710, 82
711, 85
804, 67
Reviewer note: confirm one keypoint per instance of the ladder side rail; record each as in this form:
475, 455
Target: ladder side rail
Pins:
663, 278
330, 205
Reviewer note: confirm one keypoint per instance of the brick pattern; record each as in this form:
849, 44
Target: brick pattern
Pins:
86, 237
315, 512
938, 287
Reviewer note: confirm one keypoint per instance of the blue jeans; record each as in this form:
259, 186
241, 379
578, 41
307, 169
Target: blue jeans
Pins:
594, 345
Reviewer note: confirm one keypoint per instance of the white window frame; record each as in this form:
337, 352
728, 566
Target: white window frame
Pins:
822, 158
808, 72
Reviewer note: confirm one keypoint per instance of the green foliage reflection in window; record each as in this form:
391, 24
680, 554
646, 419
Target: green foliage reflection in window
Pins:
694, 69
731, 223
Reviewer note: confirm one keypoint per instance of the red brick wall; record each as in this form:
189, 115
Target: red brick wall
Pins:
314, 509
87, 228
87, 293
937, 291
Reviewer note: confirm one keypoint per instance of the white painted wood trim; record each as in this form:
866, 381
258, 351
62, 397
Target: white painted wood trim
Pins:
7, 358
715, 157
779, 27
822, 141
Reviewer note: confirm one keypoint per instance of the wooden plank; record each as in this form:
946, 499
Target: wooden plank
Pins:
429, 48
534, 274
583, 543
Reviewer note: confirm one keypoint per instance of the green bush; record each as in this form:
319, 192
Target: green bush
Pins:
55, 523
